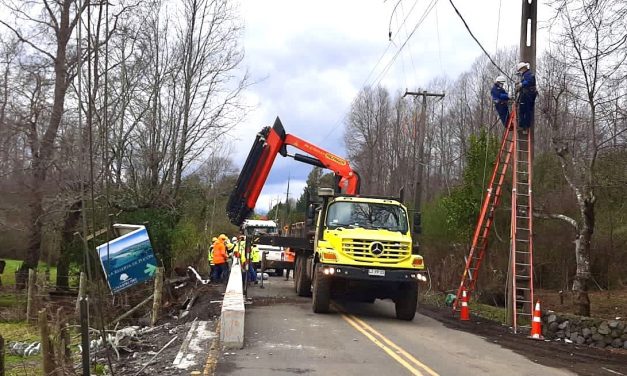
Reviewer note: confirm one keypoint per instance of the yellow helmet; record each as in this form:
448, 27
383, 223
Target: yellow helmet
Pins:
222, 237
214, 239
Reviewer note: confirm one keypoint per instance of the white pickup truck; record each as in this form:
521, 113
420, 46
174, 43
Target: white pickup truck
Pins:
274, 256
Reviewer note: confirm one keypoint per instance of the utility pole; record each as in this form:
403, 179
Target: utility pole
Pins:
528, 27
287, 200
421, 141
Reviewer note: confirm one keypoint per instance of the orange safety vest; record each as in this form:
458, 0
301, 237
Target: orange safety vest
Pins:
219, 253
289, 255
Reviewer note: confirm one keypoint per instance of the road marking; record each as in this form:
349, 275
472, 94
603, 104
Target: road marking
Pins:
395, 346
385, 348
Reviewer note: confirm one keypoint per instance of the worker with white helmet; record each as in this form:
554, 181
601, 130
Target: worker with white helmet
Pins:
527, 96
500, 99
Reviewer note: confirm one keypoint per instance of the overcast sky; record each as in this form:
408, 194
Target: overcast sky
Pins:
310, 58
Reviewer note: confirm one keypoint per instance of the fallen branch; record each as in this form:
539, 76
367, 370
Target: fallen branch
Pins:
157, 354
128, 313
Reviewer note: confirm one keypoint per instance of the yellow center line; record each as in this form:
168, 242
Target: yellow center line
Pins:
395, 346
385, 348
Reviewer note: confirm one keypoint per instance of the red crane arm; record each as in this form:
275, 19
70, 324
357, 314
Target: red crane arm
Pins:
349, 182
268, 143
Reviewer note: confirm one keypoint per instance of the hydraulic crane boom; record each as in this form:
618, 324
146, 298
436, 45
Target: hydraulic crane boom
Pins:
268, 143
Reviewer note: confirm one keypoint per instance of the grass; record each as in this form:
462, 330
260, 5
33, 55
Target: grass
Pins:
22, 332
8, 276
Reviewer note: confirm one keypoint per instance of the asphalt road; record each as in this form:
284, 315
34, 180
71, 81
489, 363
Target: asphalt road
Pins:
284, 337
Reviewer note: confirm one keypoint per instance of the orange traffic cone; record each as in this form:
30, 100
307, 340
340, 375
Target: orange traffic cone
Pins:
464, 314
536, 323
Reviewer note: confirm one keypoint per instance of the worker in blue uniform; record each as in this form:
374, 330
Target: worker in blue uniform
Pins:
500, 98
526, 97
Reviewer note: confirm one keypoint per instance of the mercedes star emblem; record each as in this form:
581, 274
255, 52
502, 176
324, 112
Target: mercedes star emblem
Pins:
376, 248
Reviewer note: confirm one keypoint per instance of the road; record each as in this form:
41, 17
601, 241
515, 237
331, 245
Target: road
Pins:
284, 337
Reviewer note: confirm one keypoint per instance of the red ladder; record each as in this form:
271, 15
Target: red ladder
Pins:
486, 216
519, 145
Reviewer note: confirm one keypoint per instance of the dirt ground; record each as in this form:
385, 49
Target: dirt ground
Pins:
604, 304
140, 350
581, 360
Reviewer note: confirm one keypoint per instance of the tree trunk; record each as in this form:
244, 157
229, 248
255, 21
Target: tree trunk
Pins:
582, 255
69, 227
42, 157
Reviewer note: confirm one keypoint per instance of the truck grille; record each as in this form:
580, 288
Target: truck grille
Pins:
361, 250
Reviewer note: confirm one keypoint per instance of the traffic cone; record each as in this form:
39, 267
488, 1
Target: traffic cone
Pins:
464, 313
536, 323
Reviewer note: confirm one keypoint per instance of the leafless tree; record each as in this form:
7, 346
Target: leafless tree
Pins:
584, 67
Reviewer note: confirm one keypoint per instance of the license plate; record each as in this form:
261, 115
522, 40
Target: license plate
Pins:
376, 272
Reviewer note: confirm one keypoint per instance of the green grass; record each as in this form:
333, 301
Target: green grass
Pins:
22, 332
8, 276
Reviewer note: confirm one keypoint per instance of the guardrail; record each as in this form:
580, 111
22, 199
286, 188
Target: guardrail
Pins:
232, 317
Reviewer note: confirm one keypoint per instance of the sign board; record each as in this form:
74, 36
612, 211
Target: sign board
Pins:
127, 260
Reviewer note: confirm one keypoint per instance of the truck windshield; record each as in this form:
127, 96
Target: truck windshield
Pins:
261, 230
367, 215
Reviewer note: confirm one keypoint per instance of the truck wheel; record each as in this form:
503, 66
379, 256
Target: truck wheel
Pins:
407, 301
278, 272
296, 273
321, 292
301, 280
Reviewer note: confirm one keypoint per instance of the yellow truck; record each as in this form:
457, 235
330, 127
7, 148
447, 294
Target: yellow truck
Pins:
352, 246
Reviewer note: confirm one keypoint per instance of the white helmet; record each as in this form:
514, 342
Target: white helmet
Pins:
500, 79
234, 239
522, 65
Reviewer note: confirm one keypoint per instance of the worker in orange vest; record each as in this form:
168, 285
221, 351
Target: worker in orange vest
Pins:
289, 257
220, 258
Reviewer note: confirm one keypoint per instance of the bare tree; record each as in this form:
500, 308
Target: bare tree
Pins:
589, 57
57, 19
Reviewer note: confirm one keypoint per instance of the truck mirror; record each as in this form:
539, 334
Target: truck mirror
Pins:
311, 211
415, 249
310, 215
417, 228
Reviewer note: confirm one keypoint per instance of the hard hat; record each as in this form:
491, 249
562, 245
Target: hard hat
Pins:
214, 239
522, 65
500, 79
222, 237
234, 239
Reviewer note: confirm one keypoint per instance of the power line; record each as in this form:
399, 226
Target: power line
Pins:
389, 65
400, 49
479, 43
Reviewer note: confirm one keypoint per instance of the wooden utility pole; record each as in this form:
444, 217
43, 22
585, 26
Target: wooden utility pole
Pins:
528, 27
422, 126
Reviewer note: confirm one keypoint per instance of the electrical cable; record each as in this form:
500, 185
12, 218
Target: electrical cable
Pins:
387, 67
410, 53
400, 49
390, 23
479, 43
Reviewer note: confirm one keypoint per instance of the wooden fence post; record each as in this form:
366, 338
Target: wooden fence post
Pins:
1, 355
156, 304
46, 348
30, 297
82, 286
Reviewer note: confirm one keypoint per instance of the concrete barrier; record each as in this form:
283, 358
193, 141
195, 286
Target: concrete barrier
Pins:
232, 318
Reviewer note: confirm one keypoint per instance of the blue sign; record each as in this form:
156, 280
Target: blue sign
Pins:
128, 260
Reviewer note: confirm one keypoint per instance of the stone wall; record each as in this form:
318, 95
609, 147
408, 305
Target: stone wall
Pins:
584, 330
